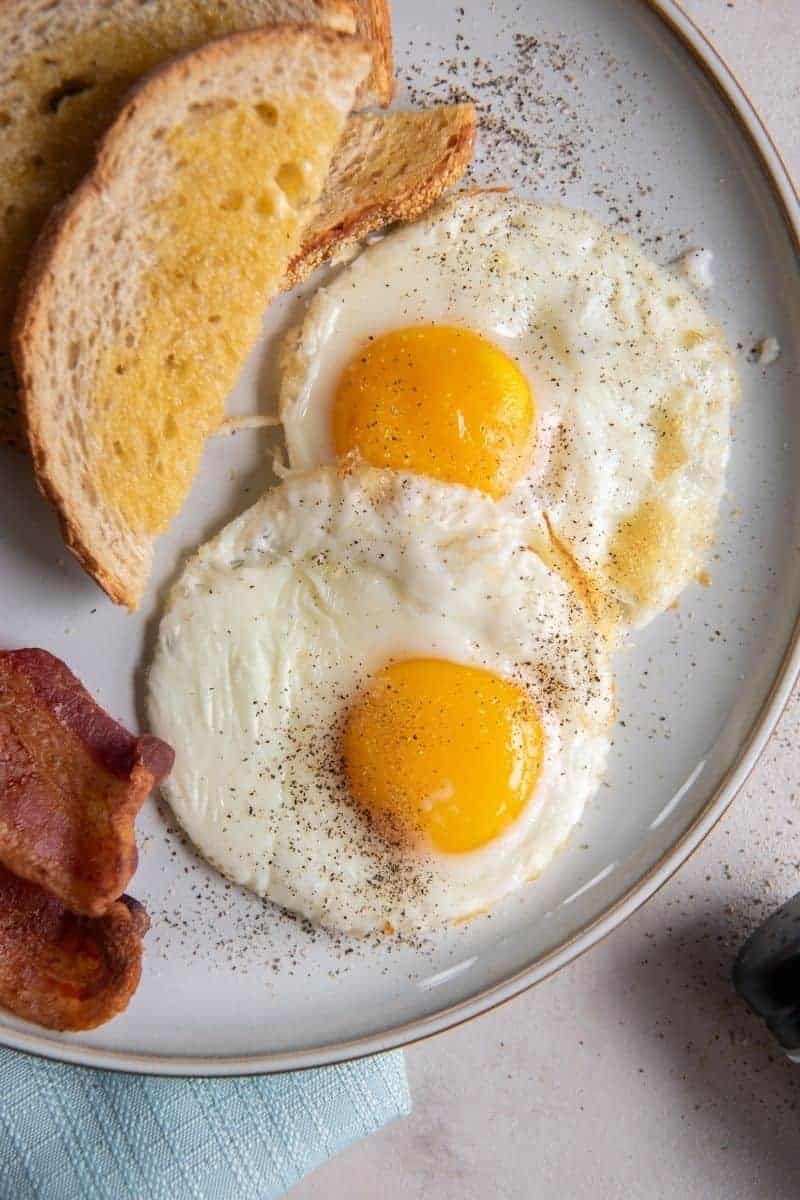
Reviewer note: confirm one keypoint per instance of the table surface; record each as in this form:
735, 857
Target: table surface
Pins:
636, 1071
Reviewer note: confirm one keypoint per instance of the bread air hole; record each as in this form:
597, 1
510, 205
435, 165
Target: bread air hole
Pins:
5, 119
232, 202
65, 91
207, 108
268, 113
289, 179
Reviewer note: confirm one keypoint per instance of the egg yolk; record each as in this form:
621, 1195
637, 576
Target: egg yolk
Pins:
444, 750
437, 401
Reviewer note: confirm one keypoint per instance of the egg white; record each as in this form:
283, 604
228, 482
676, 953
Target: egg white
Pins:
618, 351
276, 625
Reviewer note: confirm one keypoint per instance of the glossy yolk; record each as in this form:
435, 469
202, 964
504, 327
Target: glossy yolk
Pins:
442, 750
437, 401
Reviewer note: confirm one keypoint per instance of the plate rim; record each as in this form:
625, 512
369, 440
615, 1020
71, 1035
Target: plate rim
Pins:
778, 176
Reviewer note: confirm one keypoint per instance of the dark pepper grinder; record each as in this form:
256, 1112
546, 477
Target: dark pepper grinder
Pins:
767, 974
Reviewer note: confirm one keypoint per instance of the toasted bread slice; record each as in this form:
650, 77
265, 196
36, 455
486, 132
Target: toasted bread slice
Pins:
374, 25
389, 167
146, 290
71, 783
64, 971
64, 69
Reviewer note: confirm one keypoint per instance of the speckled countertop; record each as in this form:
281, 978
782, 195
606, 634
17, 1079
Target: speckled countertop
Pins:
635, 1072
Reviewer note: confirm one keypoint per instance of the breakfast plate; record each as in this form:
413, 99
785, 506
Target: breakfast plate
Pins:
620, 108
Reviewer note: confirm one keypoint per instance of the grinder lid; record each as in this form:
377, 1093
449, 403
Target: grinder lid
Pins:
766, 974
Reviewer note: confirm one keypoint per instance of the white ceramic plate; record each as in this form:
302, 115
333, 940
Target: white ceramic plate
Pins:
621, 108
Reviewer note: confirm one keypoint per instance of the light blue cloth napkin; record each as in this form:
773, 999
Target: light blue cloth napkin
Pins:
69, 1133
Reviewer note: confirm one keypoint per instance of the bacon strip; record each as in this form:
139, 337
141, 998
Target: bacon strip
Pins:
61, 970
71, 783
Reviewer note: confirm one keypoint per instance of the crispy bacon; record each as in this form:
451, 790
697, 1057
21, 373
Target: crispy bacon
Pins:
71, 783
61, 970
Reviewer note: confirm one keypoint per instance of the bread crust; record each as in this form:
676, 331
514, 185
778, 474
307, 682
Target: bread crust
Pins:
35, 297
374, 24
158, 92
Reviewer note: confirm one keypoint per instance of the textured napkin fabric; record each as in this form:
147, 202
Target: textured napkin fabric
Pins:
69, 1133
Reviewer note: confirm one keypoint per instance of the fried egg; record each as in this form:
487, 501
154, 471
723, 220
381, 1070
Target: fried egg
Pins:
527, 351
389, 712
